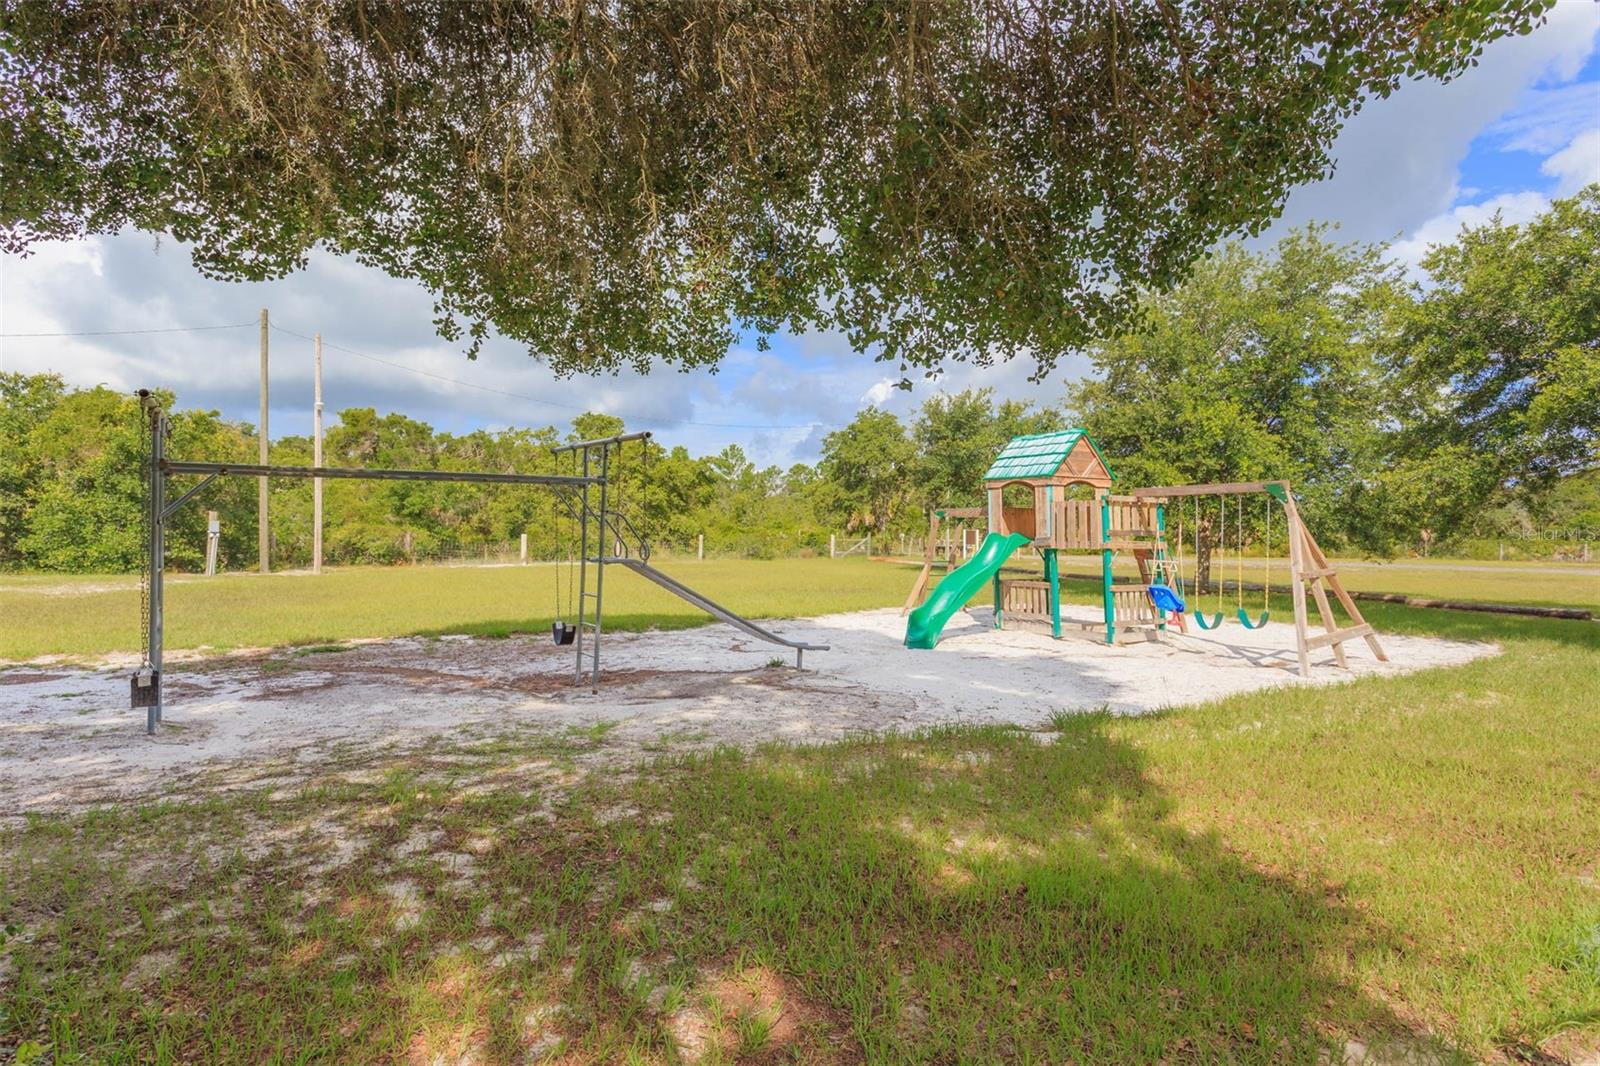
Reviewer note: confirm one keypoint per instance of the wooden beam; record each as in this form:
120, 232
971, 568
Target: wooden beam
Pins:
1297, 566
929, 551
1221, 488
1349, 604
1336, 637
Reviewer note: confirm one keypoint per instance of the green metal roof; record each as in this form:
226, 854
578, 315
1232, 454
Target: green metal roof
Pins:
1038, 455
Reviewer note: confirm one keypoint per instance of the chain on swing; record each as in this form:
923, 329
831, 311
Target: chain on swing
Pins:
562, 631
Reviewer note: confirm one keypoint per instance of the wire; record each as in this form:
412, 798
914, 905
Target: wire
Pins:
130, 332
767, 426
552, 403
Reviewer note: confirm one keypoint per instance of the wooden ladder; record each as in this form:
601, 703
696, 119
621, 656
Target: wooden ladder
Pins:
1157, 568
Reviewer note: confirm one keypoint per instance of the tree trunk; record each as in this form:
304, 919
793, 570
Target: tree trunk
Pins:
1205, 551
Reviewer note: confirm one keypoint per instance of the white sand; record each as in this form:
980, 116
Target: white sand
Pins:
68, 738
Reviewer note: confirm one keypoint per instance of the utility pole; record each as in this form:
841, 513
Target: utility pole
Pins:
263, 535
316, 460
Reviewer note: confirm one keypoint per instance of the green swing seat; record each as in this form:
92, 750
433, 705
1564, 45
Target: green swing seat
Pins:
1244, 619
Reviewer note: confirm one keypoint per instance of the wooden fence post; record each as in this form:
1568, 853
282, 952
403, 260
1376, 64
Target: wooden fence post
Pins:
213, 534
522, 550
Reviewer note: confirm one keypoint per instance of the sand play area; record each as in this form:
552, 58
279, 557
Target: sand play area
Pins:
69, 738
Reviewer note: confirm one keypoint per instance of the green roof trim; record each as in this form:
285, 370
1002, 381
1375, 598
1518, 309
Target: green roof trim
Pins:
1039, 455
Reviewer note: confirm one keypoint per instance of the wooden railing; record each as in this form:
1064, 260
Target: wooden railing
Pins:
1025, 599
1077, 524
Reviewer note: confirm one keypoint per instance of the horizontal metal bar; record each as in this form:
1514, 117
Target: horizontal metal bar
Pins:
181, 500
602, 441
169, 466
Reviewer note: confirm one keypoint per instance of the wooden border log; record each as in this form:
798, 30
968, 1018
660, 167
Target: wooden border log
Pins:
1575, 613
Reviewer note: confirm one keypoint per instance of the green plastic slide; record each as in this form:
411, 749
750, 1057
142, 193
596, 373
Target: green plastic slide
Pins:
959, 586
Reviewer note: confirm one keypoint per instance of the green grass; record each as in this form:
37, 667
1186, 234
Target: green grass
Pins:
91, 615
51, 617
1411, 861
1553, 585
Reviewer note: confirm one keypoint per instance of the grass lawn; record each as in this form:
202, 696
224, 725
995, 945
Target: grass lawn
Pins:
1523, 583
88, 615
1411, 862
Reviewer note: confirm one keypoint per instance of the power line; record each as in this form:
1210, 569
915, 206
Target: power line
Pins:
129, 332
547, 403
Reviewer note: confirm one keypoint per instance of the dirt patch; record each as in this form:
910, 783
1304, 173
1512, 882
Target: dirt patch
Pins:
313, 676
1578, 1047
68, 738
758, 1016
22, 677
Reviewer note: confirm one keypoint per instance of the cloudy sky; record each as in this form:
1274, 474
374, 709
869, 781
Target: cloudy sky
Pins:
1522, 127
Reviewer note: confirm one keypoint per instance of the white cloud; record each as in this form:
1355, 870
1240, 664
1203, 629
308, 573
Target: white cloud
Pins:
1398, 158
1576, 165
1513, 208
879, 393
1547, 119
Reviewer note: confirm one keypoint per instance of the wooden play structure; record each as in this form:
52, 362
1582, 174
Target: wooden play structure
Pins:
950, 541
1052, 492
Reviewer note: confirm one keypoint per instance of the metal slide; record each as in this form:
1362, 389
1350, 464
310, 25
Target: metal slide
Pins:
715, 610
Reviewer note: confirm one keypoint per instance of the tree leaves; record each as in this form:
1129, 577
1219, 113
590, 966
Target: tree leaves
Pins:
637, 183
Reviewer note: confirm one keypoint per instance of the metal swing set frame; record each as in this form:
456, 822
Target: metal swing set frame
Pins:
585, 494
573, 491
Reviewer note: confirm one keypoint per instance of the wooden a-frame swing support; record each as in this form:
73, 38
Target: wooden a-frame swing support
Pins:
1309, 569
930, 550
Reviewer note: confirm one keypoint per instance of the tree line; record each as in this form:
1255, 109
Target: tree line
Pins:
1409, 413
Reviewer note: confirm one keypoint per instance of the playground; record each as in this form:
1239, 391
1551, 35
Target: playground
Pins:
556, 848
296, 710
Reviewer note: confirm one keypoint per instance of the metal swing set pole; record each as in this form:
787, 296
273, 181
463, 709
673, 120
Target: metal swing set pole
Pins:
146, 686
603, 519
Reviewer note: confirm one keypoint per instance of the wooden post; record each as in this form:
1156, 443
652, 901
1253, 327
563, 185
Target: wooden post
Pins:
928, 552
832, 546
700, 546
263, 541
1297, 580
213, 534
316, 458
522, 550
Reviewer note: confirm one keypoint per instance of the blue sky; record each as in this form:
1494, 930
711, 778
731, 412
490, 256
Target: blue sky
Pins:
1520, 128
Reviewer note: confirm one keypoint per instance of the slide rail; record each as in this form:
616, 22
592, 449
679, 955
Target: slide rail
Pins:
711, 607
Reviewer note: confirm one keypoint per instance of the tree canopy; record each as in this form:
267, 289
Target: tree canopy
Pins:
637, 183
